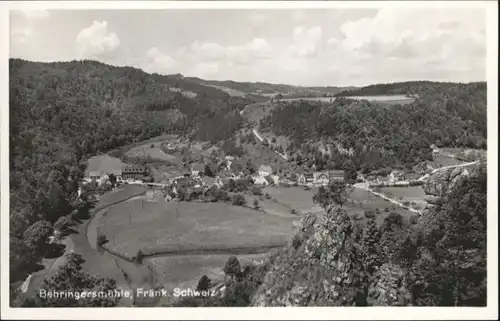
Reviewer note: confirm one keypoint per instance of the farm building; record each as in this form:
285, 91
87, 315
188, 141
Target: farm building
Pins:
309, 177
259, 180
396, 176
197, 169
265, 170
133, 172
321, 178
95, 175
336, 175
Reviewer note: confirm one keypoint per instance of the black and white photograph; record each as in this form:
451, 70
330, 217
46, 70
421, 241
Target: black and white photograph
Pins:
201, 154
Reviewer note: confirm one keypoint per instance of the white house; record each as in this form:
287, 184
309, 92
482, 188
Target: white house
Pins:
396, 176
265, 170
259, 180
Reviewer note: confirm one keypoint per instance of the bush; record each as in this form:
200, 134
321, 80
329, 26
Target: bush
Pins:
386, 210
369, 214
414, 219
406, 203
152, 145
255, 204
256, 191
139, 256
239, 200
293, 211
356, 217
101, 240
267, 196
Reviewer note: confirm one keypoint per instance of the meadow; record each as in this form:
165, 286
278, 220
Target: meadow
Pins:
411, 194
361, 200
294, 198
160, 227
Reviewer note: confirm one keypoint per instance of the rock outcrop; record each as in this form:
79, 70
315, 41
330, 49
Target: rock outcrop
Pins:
317, 269
437, 186
389, 288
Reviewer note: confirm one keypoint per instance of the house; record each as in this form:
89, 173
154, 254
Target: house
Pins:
360, 177
259, 180
302, 179
133, 172
309, 177
95, 175
197, 169
436, 152
276, 179
269, 180
396, 176
337, 175
222, 166
321, 178
265, 170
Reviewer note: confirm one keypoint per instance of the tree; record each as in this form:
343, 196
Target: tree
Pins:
369, 244
239, 200
208, 171
336, 192
71, 278
204, 283
112, 179
255, 204
232, 267
37, 236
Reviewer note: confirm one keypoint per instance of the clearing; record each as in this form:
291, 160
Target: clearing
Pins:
411, 194
181, 228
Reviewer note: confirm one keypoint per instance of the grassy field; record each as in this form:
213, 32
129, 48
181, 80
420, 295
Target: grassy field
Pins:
411, 194
153, 150
361, 200
441, 161
185, 271
160, 226
294, 198
103, 163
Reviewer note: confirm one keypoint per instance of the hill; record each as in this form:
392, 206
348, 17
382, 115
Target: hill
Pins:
450, 115
263, 88
410, 88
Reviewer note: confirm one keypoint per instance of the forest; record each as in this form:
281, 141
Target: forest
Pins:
388, 136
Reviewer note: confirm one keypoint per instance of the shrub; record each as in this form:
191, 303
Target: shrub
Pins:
356, 217
369, 214
239, 200
152, 145
386, 210
414, 219
267, 196
139, 256
256, 191
101, 240
406, 203
293, 211
255, 204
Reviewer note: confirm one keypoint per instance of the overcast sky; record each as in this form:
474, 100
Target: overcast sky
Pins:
302, 47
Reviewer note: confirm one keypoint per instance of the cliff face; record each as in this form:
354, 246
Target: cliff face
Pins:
317, 269
389, 288
438, 186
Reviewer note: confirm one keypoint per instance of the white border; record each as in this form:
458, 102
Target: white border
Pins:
371, 313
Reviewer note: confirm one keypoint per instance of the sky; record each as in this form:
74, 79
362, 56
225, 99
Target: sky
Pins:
310, 47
